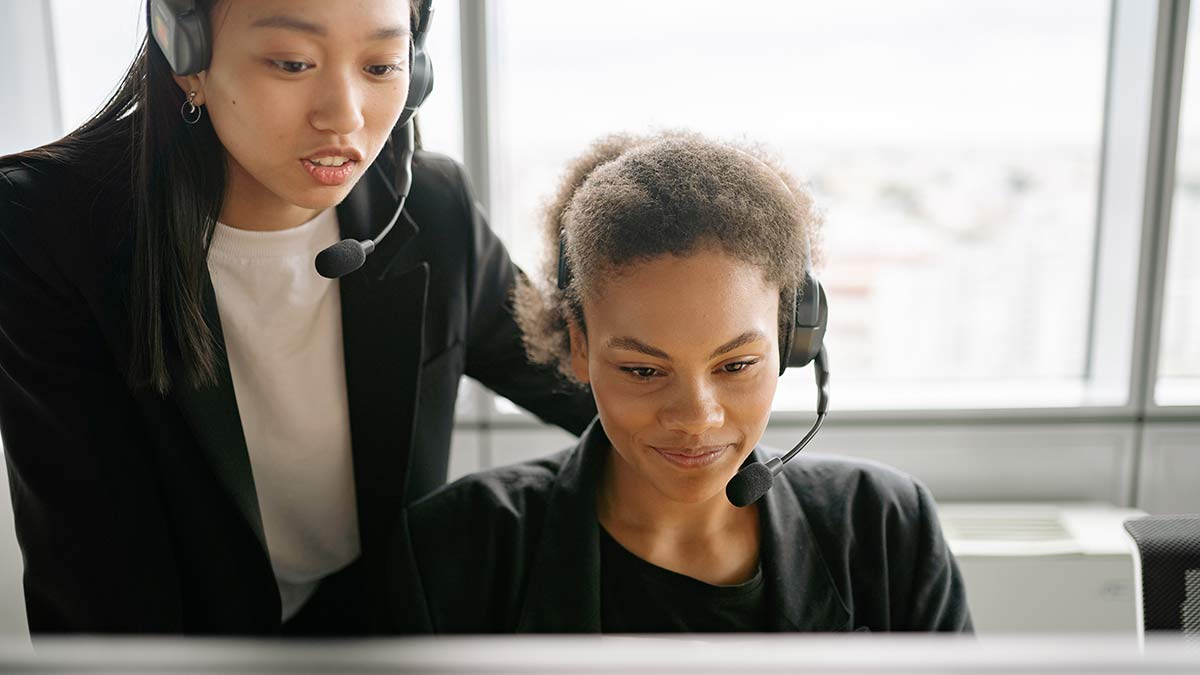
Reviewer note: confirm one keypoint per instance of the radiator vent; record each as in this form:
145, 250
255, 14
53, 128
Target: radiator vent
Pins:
1005, 527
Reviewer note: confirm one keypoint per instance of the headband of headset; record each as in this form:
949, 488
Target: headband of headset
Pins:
801, 338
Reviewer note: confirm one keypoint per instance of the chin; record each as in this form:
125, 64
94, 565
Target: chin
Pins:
321, 198
698, 496
693, 491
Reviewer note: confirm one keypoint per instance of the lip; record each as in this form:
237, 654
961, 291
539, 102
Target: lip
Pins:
329, 175
694, 457
332, 176
348, 151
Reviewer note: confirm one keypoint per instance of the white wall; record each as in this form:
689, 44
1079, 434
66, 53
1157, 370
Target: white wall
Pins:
29, 95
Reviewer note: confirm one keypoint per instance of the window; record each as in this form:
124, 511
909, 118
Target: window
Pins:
440, 118
955, 148
1179, 349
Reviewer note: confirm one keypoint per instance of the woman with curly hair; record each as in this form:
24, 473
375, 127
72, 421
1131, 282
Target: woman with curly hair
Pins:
669, 259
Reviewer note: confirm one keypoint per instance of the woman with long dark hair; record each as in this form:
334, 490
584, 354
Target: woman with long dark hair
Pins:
203, 434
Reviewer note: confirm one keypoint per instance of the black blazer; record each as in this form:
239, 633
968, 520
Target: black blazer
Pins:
846, 545
137, 513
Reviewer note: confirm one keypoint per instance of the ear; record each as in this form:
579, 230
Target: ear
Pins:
190, 83
579, 353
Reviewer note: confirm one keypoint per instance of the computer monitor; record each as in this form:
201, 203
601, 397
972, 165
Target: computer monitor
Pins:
691, 654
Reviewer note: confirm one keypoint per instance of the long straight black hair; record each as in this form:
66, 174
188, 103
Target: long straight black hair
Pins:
177, 174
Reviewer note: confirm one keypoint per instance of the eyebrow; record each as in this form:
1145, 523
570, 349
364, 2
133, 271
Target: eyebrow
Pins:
743, 339
293, 23
636, 345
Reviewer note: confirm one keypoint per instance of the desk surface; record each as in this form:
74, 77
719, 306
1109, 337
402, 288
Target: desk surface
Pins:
693, 655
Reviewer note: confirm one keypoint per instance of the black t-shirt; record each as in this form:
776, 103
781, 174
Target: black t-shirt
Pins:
640, 597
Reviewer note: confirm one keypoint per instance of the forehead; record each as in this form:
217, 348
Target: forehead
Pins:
373, 19
684, 305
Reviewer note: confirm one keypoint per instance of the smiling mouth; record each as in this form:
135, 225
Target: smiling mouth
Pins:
690, 458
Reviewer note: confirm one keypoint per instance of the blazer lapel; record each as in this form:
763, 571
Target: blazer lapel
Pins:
563, 595
212, 413
802, 591
383, 313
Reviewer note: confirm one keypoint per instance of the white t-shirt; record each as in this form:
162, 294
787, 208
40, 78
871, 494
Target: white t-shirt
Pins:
283, 332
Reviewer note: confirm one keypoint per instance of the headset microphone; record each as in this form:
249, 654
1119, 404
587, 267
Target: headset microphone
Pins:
753, 481
805, 344
349, 255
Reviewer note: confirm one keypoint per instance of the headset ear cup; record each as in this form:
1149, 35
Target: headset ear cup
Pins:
181, 32
420, 84
787, 324
811, 318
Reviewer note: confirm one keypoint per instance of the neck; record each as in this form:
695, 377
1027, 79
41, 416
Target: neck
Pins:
249, 205
629, 503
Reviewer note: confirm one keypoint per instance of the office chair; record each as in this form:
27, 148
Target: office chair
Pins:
1167, 574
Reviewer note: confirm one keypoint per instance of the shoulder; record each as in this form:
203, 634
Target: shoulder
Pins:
435, 166
61, 215
840, 493
463, 552
878, 533
25, 190
37, 188
440, 179
30, 221
512, 494
823, 476
442, 204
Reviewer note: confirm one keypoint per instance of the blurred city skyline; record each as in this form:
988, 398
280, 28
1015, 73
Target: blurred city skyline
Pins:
953, 147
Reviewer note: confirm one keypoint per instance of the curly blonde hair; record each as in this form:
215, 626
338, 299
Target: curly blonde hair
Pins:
631, 198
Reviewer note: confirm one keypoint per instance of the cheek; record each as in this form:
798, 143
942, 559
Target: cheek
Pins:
751, 404
254, 123
626, 410
381, 109
747, 403
383, 101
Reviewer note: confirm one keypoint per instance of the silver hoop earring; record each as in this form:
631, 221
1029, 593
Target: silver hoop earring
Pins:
189, 111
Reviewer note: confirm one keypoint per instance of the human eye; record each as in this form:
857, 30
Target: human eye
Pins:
291, 67
738, 366
384, 69
641, 372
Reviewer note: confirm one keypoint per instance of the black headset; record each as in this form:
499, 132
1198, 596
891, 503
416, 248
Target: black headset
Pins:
181, 31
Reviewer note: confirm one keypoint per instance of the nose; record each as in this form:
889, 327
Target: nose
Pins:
338, 108
694, 409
